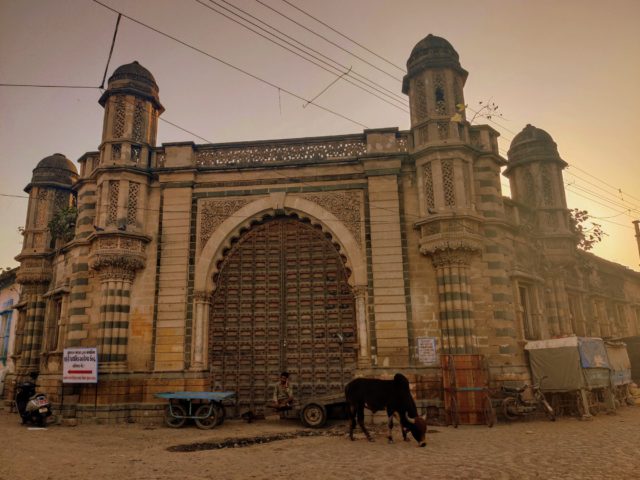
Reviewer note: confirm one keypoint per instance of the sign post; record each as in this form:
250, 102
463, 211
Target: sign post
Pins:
80, 365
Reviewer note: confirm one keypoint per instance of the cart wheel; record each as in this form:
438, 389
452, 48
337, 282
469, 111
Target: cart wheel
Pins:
207, 422
454, 415
222, 414
173, 421
509, 408
313, 415
489, 412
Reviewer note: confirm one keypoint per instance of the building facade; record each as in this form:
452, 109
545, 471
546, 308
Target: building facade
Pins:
9, 295
215, 266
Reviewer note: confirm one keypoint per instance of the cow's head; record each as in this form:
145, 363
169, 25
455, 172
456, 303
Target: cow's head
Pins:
418, 428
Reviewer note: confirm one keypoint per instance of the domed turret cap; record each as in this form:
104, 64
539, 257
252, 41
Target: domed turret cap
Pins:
533, 144
54, 171
430, 52
134, 79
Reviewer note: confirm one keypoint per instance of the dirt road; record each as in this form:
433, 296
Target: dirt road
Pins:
606, 448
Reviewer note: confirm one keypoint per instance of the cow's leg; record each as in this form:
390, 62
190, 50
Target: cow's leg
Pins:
390, 425
352, 424
361, 423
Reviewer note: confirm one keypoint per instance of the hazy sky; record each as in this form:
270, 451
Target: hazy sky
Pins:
571, 68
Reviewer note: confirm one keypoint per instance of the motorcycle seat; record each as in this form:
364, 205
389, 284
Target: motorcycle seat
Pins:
513, 390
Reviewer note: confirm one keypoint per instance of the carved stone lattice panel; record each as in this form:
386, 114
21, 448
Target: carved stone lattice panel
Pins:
547, 189
138, 122
529, 188
114, 191
443, 130
448, 183
280, 153
61, 200
41, 208
132, 206
214, 212
346, 206
428, 186
438, 89
421, 100
119, 118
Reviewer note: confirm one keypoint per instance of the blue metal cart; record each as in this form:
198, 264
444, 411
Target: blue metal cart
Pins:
206, 409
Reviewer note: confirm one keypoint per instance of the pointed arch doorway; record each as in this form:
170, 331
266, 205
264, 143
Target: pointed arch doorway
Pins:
282, 302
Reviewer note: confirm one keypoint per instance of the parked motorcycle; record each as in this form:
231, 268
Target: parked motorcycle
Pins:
515, 406
32, 406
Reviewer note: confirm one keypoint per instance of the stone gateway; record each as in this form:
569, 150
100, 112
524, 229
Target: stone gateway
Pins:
216, 266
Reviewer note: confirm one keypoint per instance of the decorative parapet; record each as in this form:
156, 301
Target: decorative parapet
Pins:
118, 254
451, 240
36, 269
283, 152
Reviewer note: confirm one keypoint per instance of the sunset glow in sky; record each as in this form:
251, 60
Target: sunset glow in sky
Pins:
571, 68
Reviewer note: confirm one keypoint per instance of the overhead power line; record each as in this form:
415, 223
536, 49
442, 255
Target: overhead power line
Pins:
340, 74
44, 86
401, 98
329, 41
344, 36
230, 65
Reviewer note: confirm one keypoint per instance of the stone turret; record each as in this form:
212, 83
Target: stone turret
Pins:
535, 175
118, 244
50, 191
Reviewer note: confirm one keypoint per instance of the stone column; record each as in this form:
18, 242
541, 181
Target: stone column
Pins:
202, 303
456, 308
114, 317
364, 355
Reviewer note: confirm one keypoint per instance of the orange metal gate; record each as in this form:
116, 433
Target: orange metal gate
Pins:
282, 302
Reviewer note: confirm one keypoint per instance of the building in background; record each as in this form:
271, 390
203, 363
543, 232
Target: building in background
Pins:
9, 295
216, 266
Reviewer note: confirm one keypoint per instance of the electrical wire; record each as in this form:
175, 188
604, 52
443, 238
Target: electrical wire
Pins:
230, 65
327, 40
380, 88
344, 36
339, 74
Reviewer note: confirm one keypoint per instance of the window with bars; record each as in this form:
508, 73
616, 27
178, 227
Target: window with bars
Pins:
526, 301
5, 330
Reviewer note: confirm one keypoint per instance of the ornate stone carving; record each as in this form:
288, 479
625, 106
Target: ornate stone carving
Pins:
132, 205
34, 270
547, 189
448, 183
422, 134
346, 206
421, 100
138, 122
114, 191
214, 212
438, 89
116, 151
119, 117
201, 296
443, 130
41, 208
428, 186
117, 254
305, 152
448, 254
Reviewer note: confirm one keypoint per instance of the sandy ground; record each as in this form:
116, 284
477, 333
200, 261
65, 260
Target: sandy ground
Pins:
608, 447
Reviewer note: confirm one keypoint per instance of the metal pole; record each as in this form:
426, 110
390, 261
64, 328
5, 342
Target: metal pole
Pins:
636, 223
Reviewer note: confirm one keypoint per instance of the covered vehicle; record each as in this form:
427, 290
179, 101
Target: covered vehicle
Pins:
577, 366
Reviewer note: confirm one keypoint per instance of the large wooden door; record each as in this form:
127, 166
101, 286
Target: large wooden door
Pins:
282, 302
